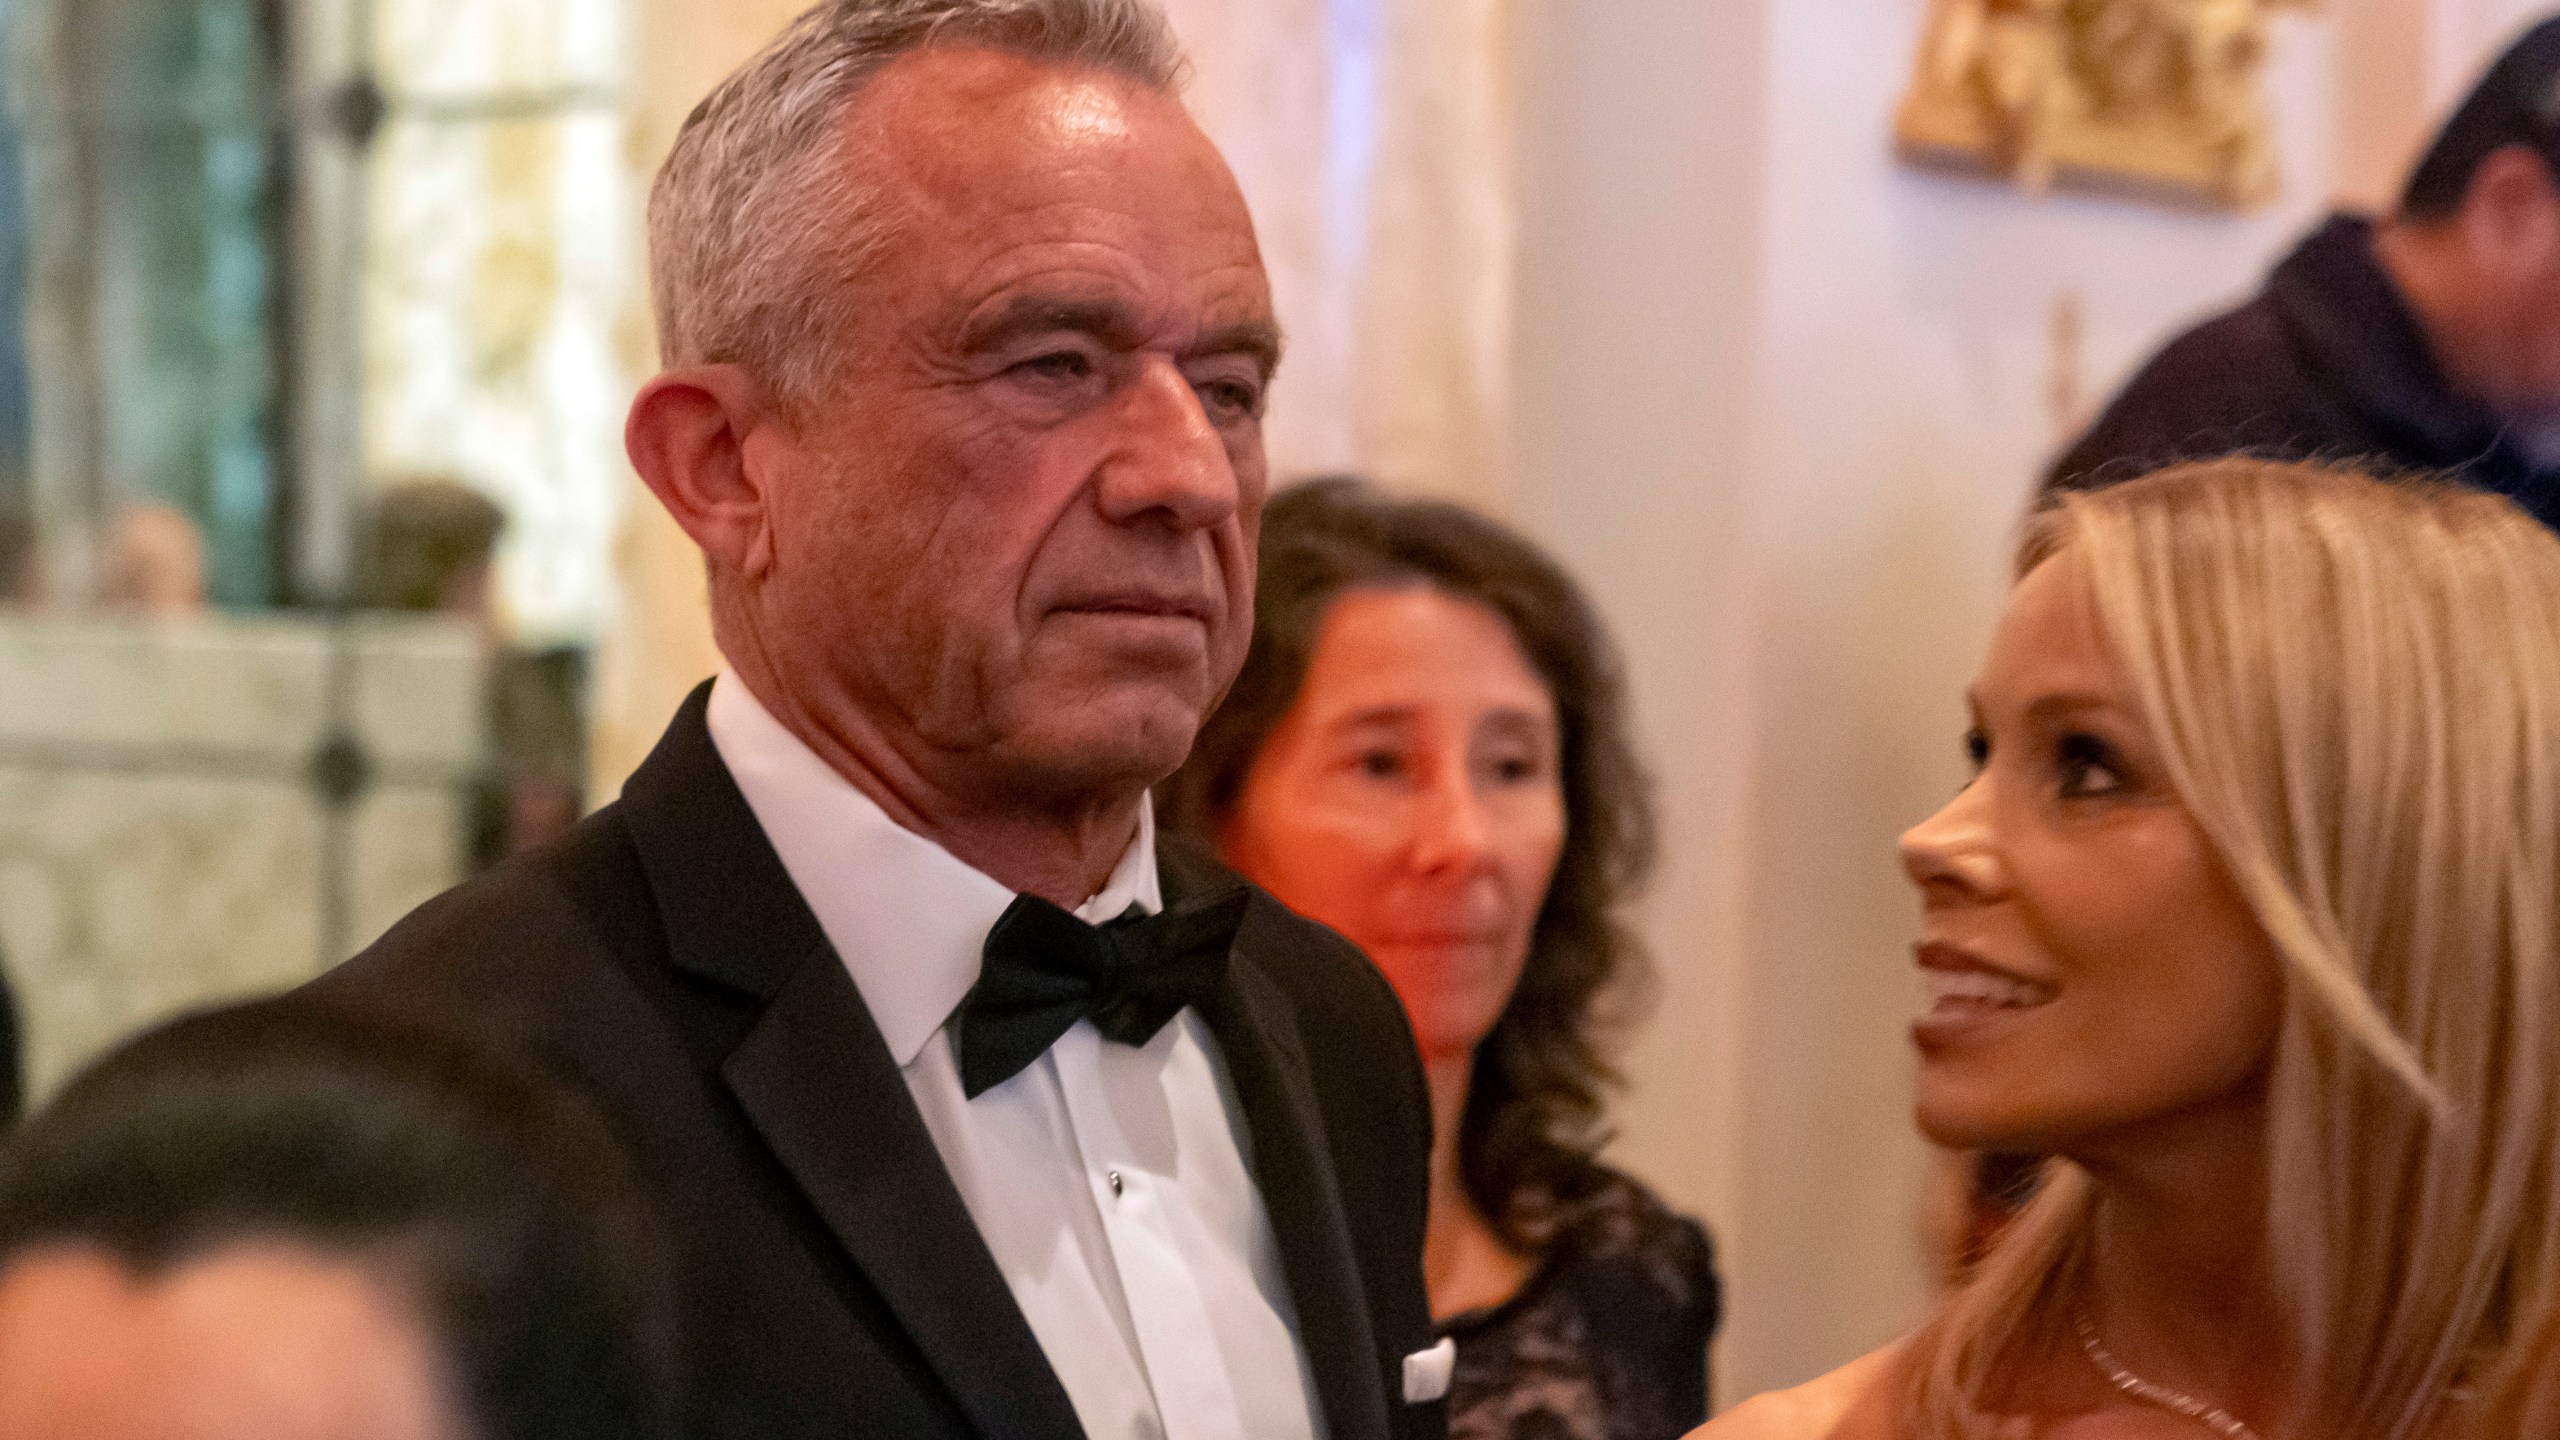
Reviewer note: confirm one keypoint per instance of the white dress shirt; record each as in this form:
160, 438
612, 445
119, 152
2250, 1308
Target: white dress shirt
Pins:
1110, 1181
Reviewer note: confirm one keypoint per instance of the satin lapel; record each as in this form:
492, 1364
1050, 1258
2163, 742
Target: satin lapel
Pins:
1259, 1039
817, 1082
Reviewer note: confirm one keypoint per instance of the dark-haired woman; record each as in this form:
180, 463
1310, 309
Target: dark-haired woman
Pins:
1426, 751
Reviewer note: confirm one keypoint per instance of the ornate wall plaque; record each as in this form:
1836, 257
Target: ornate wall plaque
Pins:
2156, 98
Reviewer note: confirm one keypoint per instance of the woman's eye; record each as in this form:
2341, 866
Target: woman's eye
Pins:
1381, 764
2086, 767
1977, 750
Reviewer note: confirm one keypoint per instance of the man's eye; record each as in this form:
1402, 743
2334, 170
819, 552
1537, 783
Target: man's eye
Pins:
1230, 399
2086, 767
1057, 365
1381, 764
1977, 749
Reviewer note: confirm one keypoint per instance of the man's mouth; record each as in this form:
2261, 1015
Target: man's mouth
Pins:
1144, 607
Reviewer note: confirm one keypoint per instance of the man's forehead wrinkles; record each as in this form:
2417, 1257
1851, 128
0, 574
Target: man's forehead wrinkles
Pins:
1043, 230
1117, 324
1102, 287
1258, 338
1105, 316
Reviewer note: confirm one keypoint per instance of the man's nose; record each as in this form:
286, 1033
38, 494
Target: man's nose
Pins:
1165, 456
1950, 855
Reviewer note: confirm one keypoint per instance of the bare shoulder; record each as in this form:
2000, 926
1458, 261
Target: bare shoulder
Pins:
1854, 1402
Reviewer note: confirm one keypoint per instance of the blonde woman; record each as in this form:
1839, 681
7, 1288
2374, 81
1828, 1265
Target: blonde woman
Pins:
2247, 920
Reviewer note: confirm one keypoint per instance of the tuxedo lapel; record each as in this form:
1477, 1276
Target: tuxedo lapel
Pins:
817, 1082
1258, 1037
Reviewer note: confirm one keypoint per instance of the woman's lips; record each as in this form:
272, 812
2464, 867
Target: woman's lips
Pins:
1961, 993
1469, 952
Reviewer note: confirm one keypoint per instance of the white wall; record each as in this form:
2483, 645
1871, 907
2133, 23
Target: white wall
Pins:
2465, 34
1634, 431
1780, 403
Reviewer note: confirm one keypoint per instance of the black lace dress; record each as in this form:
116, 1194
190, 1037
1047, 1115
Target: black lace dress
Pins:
1607, 1339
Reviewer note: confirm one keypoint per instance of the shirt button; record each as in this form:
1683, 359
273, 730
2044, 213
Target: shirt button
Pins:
1115, 1184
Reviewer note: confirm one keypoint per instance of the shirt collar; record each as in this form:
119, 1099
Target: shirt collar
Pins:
908, 917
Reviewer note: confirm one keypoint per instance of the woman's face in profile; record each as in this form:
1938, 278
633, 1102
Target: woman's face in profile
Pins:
1411, 799
2089, 974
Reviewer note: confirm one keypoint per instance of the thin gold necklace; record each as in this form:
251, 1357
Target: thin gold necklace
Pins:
2178, 1402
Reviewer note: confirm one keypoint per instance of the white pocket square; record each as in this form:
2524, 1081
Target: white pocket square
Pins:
1427, 1372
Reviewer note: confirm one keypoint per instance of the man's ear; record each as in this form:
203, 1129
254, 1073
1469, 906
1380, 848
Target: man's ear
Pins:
700, 440
2511, 213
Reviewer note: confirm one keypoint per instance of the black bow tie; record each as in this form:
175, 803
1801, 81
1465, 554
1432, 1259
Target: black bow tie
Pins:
1044, 970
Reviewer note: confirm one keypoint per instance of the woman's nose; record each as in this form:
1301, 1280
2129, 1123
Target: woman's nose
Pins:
1950, 854
1452, 827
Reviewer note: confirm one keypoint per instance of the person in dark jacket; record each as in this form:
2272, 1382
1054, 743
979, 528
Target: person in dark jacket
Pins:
2425, 341
978, 1114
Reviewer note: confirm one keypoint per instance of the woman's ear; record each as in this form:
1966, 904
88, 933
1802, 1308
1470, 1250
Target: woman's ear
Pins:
689, 436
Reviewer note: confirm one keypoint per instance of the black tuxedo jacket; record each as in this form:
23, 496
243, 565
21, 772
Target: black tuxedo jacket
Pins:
835, 1285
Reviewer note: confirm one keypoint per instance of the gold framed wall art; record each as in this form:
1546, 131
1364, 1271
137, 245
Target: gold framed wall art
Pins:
2157, 99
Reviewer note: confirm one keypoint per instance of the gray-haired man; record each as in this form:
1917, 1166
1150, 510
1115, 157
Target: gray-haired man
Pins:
980, 1116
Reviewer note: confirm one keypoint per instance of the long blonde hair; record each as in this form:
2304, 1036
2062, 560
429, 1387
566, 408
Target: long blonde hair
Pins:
2356, 688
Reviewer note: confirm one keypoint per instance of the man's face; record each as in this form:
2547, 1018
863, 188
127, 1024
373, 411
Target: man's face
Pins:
1012, 535
254, 1341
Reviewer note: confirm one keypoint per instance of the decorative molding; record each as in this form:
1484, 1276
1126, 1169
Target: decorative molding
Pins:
2155, 99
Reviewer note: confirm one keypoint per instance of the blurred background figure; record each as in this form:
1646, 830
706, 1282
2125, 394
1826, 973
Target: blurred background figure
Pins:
153, 562
21, 589
22, 580
1426, 750
429, 546
2429, 340
288, 1224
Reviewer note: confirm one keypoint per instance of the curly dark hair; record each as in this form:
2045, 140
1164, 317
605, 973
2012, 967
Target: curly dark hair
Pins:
1528, 1142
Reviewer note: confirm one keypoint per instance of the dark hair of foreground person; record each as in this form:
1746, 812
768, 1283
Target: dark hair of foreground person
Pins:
492, 1203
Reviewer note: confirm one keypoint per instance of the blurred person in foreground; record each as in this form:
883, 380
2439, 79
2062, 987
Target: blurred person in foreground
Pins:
1427, 751
979, 1116
431, 547
272, 1224
2248, 922
2425, 341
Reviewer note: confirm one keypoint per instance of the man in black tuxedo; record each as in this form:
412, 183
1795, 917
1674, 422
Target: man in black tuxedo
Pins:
979, 1116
